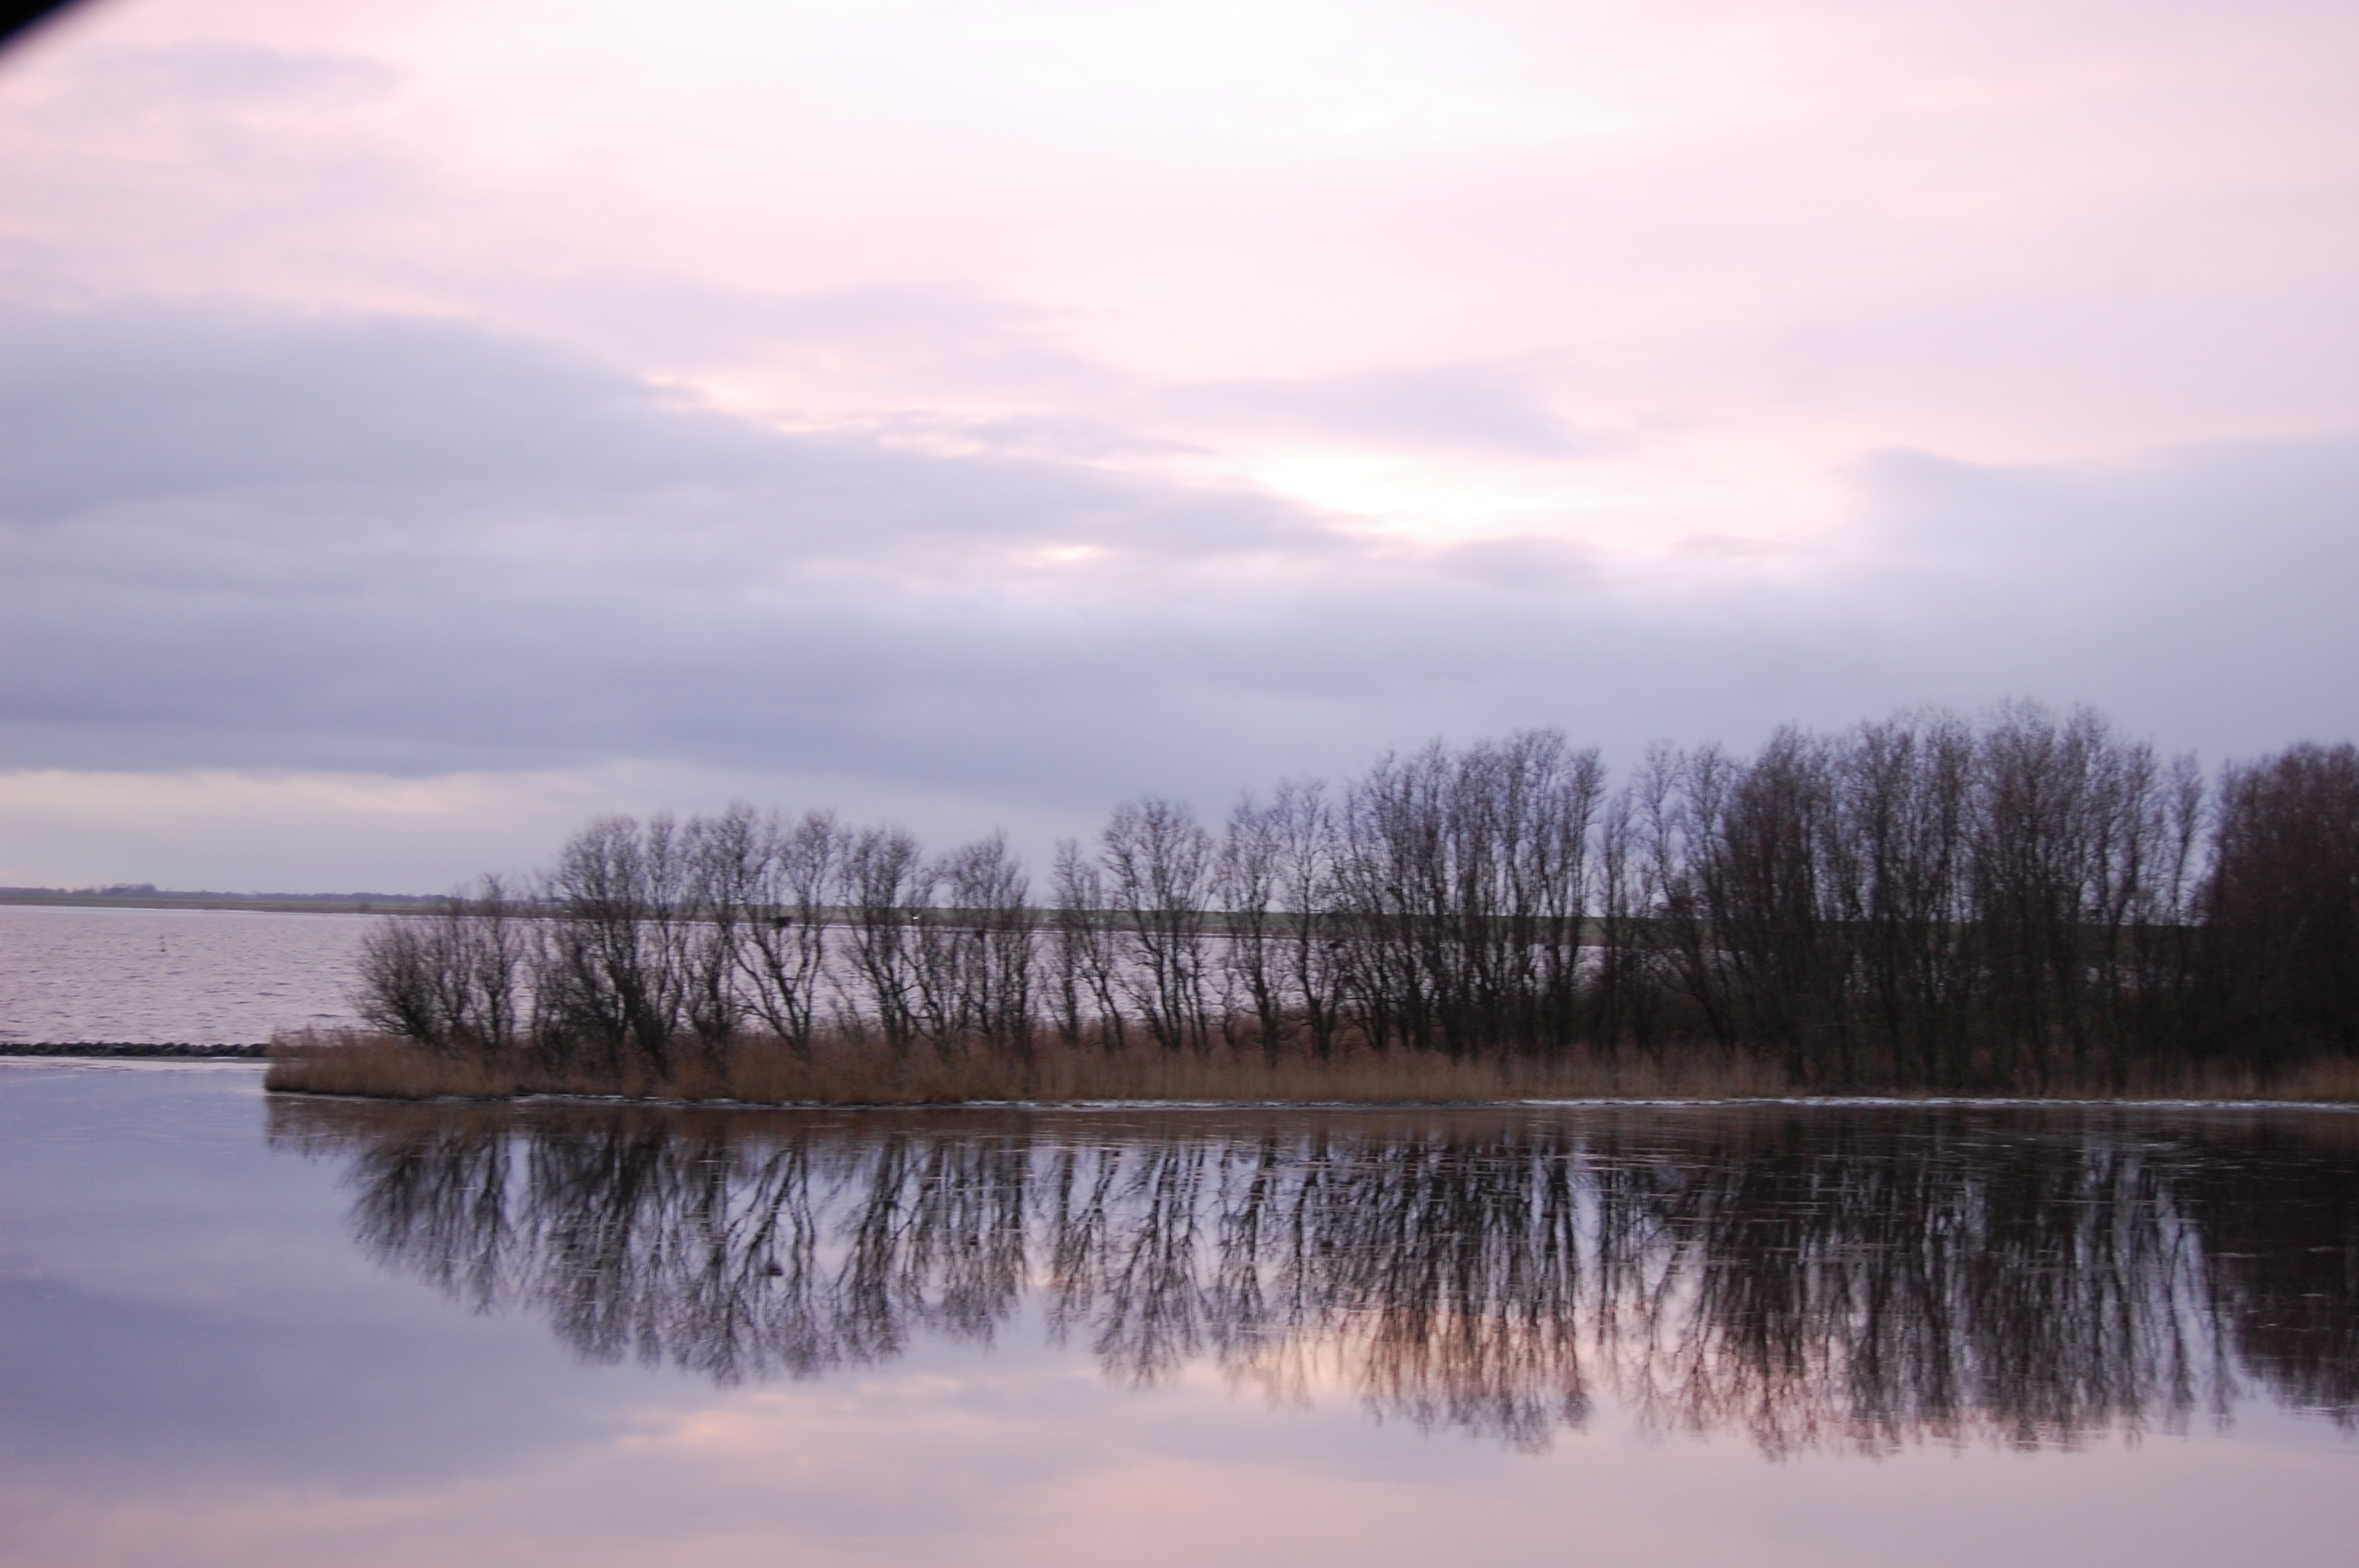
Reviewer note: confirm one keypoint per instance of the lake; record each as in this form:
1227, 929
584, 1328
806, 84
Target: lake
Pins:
202, 976
245, 1331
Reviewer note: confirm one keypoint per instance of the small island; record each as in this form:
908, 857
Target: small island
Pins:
2025, 904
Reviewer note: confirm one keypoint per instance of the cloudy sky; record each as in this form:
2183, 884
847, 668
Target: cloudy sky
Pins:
427, 424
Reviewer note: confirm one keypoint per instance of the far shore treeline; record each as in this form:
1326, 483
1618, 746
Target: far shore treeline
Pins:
2024, 902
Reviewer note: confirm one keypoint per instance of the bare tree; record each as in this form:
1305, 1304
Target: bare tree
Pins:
724, 856
396, 987
973, 943
784, 956
1624, 995
988, 934
2035, 824
1759, 865
496, 946
1680, 799
1158, 863
453, 980
1553, 795
1309, 895
882, 877
1244, 886
2283, 905
2167, 930
1087, 954
1393, 876
940, 965
612, 973
1900, 865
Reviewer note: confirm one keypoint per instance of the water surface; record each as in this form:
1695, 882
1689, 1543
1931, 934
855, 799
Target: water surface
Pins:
204, 976
310, 1331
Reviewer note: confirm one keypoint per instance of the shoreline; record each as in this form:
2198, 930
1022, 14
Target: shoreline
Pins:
847, 1071
1880, 1100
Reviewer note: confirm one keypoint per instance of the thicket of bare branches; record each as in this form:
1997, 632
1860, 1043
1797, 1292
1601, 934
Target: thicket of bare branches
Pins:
2281, 911
2030, 901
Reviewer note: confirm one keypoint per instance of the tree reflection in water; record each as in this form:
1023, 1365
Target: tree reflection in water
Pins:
1811, 1277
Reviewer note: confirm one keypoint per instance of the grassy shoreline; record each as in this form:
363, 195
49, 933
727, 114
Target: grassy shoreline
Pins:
842, 1073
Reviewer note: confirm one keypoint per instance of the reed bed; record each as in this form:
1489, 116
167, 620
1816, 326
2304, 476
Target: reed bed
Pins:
847, 1070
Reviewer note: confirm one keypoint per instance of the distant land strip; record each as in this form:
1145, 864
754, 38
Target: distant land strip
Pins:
146, 896
183, 1048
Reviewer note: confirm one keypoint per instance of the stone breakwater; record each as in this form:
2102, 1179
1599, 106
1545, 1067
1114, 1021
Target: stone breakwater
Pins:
129, 1048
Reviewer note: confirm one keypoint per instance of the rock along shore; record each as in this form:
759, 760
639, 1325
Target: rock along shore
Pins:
127, 1048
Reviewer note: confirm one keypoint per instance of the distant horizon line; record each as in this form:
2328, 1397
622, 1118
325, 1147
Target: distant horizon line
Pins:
147, 895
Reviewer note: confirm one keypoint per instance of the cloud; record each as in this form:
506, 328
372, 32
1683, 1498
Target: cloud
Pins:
1532, 564
2201, 591
132, 1355
874, 340
333, 546
1486, 408
200, 79
403, 545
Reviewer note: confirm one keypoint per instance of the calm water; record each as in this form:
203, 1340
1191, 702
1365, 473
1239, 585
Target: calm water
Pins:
240, 1332
216, 976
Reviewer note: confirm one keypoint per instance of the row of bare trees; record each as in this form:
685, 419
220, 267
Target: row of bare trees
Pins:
651, 938
2028, 900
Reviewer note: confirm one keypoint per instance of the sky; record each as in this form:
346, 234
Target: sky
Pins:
428, 425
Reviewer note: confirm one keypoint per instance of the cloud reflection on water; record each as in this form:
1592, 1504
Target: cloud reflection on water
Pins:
197, 1368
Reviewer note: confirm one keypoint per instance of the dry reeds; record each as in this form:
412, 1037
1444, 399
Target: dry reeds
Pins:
845, 1070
